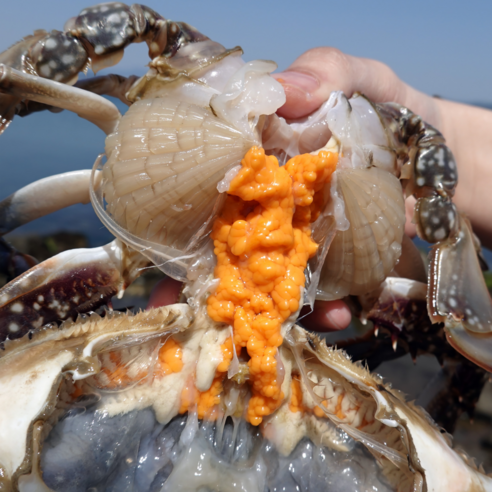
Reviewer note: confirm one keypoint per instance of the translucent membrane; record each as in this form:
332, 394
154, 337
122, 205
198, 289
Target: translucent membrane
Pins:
186, 455
361, 257
159, 185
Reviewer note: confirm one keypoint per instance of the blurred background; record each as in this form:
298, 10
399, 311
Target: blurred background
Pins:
440, 47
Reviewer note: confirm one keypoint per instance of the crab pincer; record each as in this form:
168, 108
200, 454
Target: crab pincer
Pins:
72, 282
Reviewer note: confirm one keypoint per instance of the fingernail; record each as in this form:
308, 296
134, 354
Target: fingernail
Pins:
303, 81
333, 320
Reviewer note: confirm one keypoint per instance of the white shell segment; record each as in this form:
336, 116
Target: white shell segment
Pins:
32, 385
164, 163
249, 93
363, 138
362, 256
159, 187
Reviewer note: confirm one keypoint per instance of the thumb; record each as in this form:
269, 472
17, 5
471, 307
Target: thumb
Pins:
309, 81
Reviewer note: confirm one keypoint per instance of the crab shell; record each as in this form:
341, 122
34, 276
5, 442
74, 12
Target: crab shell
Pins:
172, 156
411, 451
152, 198
179, 145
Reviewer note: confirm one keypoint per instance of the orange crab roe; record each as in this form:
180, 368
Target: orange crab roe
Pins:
262, 241
207, 401
295, 404
170, 358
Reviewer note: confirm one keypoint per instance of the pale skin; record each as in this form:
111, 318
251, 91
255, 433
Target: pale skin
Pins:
309, 81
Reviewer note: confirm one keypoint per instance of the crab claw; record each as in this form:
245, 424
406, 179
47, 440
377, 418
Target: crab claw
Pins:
71, 282
475, 347
458, 296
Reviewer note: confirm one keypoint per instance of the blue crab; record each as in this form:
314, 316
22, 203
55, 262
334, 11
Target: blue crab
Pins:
170, 160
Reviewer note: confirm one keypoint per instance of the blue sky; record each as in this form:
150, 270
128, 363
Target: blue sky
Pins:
440, 47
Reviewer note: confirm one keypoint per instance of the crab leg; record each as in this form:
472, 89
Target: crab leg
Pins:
44, 197
95, 38
108, 85
92, 107
459, 296
71, 282
457, 292
37, 200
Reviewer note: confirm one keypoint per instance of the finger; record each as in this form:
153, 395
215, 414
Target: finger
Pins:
165, 292
328, 316
314, 75
309, 81
410, 227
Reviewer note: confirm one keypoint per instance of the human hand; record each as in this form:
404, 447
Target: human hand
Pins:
309, 81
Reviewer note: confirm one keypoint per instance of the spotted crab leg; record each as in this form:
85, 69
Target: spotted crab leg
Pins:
41, 67
457, 292
71, 282
459, 296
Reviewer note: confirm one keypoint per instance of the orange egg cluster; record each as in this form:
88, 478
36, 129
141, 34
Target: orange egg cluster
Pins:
262, 241
227, 354
295, 403
170, 358
207, 401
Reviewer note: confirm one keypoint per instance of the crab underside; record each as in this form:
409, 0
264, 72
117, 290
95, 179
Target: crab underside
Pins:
258, 217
